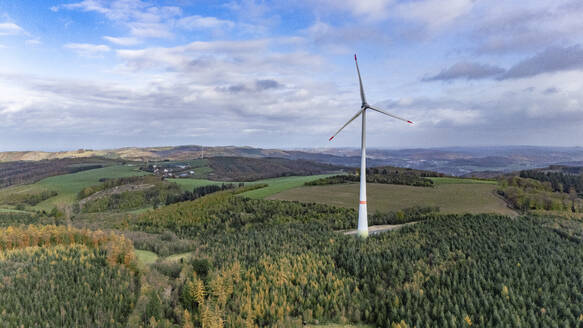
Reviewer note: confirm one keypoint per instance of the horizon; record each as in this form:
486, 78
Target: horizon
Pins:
477, 147
105, 74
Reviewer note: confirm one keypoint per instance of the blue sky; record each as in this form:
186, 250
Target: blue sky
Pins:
114, 73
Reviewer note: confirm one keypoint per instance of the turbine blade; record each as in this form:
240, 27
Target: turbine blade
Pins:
352, 119
389, 114
362, 97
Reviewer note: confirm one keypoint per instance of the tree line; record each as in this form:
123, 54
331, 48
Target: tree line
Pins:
559, 181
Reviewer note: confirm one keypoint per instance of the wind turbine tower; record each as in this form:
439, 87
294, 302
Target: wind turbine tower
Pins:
362, 210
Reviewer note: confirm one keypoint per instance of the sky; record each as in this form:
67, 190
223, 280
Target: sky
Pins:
100, 74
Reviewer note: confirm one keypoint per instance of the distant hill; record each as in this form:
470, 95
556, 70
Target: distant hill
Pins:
452, 161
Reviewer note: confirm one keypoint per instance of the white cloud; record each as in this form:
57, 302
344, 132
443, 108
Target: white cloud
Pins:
433, 14
525, 26
371, 9
199, 22
33, 42
8, 28
142, 19
87, 49
122, 41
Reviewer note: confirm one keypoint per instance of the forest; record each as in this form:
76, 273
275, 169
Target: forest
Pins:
561, 179
70, 277
529, 194
282, 264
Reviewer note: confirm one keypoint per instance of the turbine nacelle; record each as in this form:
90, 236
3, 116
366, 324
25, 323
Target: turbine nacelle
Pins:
365, 105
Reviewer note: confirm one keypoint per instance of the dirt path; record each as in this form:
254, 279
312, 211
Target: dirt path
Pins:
380, 228
515, 212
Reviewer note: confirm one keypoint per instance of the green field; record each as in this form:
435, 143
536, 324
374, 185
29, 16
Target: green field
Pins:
9, 210
146, 257
451, 198
275, 185
68, 185
178, 257
190, 184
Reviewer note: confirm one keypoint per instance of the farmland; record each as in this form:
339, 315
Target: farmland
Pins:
68, 185
275, 185
449, 197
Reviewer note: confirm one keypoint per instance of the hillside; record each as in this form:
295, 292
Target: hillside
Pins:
452, 161
23, 172
250, 169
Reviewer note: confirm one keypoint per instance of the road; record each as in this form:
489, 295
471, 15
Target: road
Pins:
380, 228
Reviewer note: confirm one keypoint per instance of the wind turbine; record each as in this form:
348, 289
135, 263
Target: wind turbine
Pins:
362, 213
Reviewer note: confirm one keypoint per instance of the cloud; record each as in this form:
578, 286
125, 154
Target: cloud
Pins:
220, 61
122, 41
87, 49
372, 9
33, 42
8, 28
433, 14
267, 84
142, 19
467, 70
552, 59
258, 86
511, 27
199, 22
550, 91
342, 39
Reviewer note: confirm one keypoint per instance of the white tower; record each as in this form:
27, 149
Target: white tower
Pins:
362, 206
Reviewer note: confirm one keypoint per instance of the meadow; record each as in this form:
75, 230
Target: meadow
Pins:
455, 198
68, 185
275, 185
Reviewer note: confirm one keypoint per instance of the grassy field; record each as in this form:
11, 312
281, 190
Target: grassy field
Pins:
275, 185
190, 184
448, 180
68, 185
177, 257
451, 198
146, 257
9, 210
